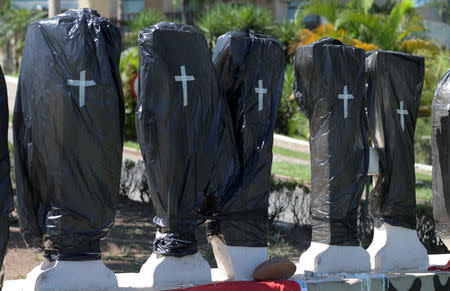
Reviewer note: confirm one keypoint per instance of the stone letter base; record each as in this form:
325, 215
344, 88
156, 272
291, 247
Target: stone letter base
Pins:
396, 248
70, 276
323, 258
169, 271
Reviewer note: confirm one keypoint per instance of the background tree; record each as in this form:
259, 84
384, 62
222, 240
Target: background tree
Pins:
225, 17
54, 7
14, 24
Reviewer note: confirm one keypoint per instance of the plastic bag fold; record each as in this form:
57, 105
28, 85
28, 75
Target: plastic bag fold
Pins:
6, 194
251, 70
68, 133
329, 89
395, 82
440, 151
184, 131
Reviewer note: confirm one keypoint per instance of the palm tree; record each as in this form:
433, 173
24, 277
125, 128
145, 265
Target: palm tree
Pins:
358, 18
144, 19
224, 17
14, 24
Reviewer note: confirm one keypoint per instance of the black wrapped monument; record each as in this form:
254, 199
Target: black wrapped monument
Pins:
329, 88
395, 83
440, 148
186, 139
251, 69
68, 124
6, 201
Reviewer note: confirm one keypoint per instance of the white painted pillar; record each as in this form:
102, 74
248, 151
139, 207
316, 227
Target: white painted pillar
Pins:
54, 7
394, 247
161, 270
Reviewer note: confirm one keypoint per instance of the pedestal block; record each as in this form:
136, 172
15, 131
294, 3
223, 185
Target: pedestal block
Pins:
162, 270
237, 262
395, 247
324, 258
71, 276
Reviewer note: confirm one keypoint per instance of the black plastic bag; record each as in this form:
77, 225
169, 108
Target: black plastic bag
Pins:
395, 83
251, 68
68, 138
329, 88
440, 150
6, 199
185, 133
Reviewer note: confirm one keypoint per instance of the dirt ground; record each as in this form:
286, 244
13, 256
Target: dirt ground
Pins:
125, 250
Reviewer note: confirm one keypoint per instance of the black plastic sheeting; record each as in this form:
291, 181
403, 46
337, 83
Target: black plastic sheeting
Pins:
67, 150
440, 150
326, 73
251, 69
185, 133
395, 83
6, 199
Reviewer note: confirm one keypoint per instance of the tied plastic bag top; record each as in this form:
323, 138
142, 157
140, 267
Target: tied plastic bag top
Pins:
251, 68
184, 131
329, 88
6, 199
440, 150
395, 83
68, 124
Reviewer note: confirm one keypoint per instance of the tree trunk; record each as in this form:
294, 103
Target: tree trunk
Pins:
184, 11
119, 13
54, 7
2, 3
445, 5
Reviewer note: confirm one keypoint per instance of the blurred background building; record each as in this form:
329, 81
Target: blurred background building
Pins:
125, 9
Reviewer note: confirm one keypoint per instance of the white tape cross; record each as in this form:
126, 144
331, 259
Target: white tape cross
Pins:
82, 83
261, 91
345, 96
184, 79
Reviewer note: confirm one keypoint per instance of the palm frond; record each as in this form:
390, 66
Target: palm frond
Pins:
330, 9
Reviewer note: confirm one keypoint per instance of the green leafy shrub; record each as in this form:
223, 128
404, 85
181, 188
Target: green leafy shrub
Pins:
225, 17
143, 19
285, 32
422, 142
288, 107
129, 65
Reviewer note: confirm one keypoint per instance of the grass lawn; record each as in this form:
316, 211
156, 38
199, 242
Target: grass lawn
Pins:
295, 171
303, 172
132, 144
290, 153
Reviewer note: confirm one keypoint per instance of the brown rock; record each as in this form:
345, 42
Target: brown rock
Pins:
277, 268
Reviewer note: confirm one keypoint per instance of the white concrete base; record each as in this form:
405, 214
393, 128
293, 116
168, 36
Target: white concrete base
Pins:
237, 263
324, 258
168, 271
316, 282
70, 276
395, 248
